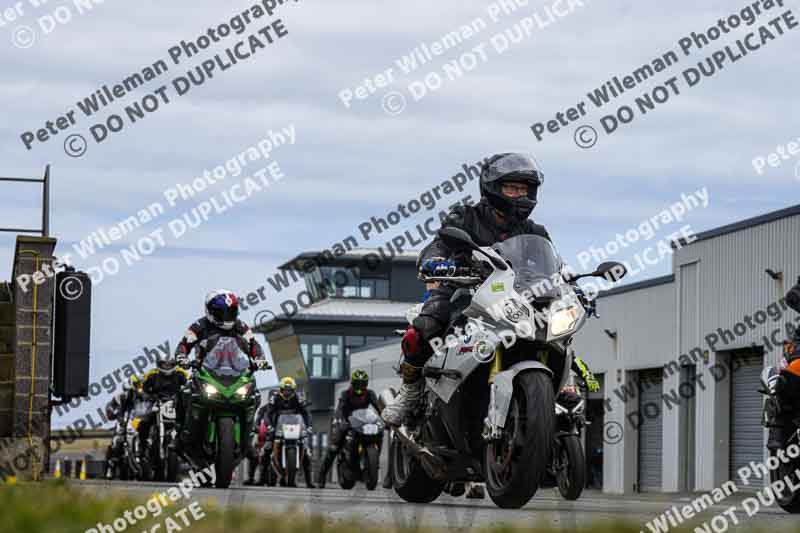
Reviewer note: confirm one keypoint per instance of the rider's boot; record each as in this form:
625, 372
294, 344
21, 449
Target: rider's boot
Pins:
476, 491
387, 479
408, 399
330, 455
251, 472
307, 472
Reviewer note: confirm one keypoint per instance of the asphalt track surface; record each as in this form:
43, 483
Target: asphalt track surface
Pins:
384, 508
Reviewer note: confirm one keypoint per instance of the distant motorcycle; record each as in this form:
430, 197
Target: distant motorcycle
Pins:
788, 501
133, 466
359, 457
162, 458
568, 465
289, 447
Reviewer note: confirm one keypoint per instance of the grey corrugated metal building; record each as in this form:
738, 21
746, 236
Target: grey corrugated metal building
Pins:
679, 359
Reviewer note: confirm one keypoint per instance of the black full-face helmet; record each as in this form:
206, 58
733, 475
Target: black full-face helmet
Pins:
508, 168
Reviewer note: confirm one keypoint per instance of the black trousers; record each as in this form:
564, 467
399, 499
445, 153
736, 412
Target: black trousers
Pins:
431, 323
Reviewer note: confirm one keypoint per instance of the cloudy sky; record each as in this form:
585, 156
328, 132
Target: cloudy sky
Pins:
349, 164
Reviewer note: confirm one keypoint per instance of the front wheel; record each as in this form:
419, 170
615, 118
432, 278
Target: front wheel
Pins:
789, 501
343, 475
570, 467
290, 470
516, 463
226, 452
373, 458
172, 466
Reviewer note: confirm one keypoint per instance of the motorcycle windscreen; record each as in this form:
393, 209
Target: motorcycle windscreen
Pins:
226, 361
534, 260
290, 419
367, 421
289, 426
141, 407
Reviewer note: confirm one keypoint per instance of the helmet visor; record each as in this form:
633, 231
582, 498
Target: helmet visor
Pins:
517, 167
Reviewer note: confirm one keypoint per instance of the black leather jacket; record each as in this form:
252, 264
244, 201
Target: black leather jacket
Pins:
349, 402
480, 222
162, 385
279, 405
204, 328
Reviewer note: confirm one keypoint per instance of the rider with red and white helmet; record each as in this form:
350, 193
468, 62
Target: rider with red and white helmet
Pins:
221, 318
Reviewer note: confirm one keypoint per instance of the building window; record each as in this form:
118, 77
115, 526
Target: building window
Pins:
323, 355
342, 282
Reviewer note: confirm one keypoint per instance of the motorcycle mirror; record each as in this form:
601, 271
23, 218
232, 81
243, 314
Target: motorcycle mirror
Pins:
611, 271
457, 239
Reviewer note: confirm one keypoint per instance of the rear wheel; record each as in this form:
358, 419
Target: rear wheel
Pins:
226, 454
373, 458
515, 464
570, 467
411, 482
789, 501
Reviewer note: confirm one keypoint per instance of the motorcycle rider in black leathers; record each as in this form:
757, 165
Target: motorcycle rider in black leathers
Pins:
252, 457
787, 388
163, 382
287, 401
117, 409
356, 396
221, 319
509, 185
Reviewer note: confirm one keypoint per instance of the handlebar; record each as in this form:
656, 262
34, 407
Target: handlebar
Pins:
464, 280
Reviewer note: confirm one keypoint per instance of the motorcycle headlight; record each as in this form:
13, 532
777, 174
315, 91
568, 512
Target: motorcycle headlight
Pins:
243, 390
210, 390
563, 321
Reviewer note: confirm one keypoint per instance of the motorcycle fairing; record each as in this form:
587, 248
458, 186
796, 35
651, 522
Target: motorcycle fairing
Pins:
500, 394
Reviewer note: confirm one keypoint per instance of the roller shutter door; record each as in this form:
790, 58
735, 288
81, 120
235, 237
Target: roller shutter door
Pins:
650, 430
747, 433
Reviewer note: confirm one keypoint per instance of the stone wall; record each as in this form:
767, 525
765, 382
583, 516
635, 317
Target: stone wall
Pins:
33, 311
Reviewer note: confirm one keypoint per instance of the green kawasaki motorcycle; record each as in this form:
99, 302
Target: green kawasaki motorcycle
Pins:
220, 399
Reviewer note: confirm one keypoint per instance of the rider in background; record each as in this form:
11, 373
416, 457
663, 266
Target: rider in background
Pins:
356, 396
287, 401
252, 458
116, 410
164, 382
787, 388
